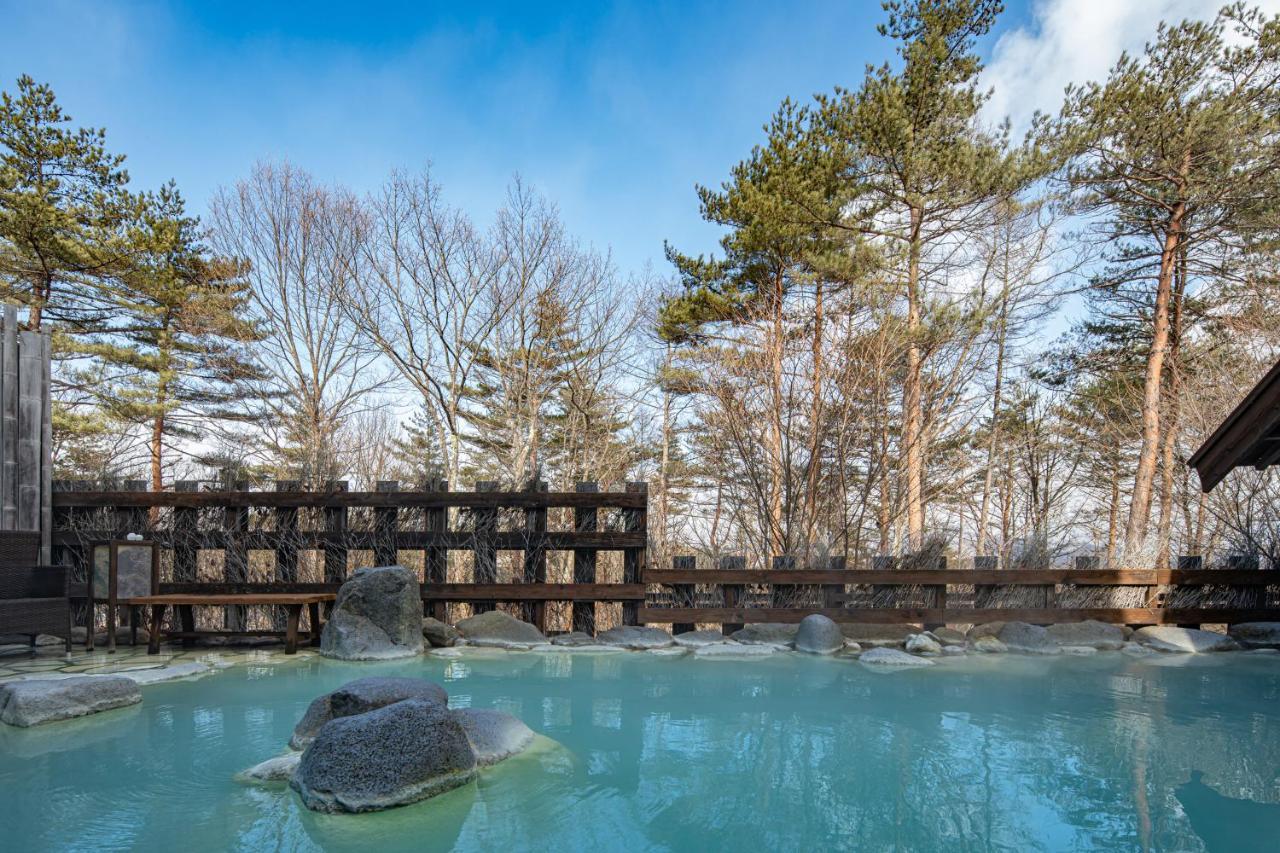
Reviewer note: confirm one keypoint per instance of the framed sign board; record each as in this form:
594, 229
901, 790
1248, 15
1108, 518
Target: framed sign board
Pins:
121, 570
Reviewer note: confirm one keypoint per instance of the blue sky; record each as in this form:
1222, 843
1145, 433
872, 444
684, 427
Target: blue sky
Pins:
614, 111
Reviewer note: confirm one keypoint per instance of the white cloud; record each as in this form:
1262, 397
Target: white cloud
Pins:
1076, 41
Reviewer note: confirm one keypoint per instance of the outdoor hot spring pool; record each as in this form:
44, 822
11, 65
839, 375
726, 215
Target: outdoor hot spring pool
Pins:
789, 753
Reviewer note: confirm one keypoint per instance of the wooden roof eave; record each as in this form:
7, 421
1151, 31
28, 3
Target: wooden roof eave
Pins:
1247, 436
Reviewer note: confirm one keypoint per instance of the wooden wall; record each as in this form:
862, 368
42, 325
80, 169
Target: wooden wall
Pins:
26, 433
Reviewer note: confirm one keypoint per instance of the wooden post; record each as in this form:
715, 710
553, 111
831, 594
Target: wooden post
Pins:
186, 527
1187, 563
938, 596
585, 520
335, 547
385, 521
286, 547
436, 557
732, 591
535, 558
833, 594
46, 448
235, 557
485, 562
9, 421
682, 594
634, 521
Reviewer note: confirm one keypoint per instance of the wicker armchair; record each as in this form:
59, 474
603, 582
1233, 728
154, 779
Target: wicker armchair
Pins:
34, 599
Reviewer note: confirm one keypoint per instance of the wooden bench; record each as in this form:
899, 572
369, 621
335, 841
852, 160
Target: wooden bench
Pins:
292, 602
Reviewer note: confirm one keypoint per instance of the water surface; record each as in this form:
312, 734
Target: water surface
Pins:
789, 753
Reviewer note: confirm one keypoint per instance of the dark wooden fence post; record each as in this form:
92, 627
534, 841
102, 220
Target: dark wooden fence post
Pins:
937, 596
833, 594
485, 564
1186, 563
682, 594
235, 557
335, 540
385, 521
286, 547
634, 521
732, 591
186, 527
983, 594
585, 520
535, 558
436, 559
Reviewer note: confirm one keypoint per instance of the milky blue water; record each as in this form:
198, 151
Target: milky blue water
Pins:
789, 753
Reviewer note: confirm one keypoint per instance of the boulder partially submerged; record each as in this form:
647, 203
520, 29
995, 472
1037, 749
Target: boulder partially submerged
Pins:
497, 629
391, 756
278, 769
438, 634
377, 616
33, 702
779, 634
494, 735
731, 651
884, 656
1098, 635
923, 644
1167, 638
818, 635
1256, 635
1028, 639
359, 697
699, 639
878, 635
635, 637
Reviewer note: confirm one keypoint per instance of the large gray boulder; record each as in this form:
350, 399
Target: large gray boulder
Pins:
872, 635
573, 638
359, 697
1256, 635
923, 644
698, 639
818, 635
1099, 635
635, 637
779, 634
438, 634
378, 616
890, 657
986, 629
33, 702
391, 756
1028, 639
278, 769
499, 630
493, 735
1166, 638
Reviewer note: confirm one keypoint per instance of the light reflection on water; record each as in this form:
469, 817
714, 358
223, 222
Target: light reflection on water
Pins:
787, 753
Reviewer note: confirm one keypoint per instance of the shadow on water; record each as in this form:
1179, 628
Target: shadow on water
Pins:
1226, 823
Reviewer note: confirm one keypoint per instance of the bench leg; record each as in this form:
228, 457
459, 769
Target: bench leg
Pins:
111, 628
291, 630
313, 612
188, 621
157, 620
133, 624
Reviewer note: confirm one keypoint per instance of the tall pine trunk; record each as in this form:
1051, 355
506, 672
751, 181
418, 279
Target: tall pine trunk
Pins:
912, 402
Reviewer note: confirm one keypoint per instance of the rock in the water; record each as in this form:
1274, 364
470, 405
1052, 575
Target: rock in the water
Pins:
989, 645
1167, 638
780, 634
923, 644
36, 701
391, 756
1256, 635
878, 635
698, 639
377, 616
818, 635
636, 637
1137, 650
986, 629
954, 651
852, 648
885, 656
949, 636
1099, 635
574, 638
1081, 651
1028, 639
360, 696
494, 735
190, 669
499, 630
278, 769
439, 634
735, 650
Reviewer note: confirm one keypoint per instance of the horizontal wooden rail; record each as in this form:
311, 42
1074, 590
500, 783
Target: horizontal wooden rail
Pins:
981, 577
408, 540
504, 592
957, 615
353, 500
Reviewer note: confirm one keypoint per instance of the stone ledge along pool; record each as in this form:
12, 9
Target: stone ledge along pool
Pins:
640, 752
